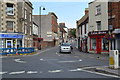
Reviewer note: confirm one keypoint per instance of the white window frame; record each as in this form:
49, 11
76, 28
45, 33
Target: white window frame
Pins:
25, 29
10, 8
98, 9
25, 16
98, 27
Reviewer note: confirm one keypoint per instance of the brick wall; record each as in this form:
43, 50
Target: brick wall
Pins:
114, 11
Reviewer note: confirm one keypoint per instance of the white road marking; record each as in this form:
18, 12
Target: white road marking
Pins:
70, 61
19, 72
32, 72
78, 69
2, 73
66, 61
55, 71
18, 60
100, 73
58, 53
80, 60
42, 60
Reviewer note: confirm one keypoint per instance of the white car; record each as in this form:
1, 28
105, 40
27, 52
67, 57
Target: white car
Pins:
65, 47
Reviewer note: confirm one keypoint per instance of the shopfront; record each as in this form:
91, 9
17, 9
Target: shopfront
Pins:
98, 42
117, 39
11, 40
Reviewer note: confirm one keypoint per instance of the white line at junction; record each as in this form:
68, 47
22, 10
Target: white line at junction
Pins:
70, 61
19, 72
2, 73
55, 71
32, 72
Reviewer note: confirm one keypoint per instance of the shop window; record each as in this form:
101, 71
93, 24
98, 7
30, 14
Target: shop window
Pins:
10, 9
93, 43
105, 44
10, 25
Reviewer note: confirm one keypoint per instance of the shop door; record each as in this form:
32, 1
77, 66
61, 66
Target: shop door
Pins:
9, 43
99, 45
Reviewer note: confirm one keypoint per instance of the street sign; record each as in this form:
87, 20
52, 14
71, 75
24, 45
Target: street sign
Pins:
110, 27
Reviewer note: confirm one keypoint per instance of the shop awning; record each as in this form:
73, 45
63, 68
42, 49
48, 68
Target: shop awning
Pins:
40, 38
116, 31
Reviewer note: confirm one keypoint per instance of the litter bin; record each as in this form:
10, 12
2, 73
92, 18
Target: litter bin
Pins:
114, 59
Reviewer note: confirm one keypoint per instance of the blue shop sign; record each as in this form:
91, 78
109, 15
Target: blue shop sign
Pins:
10, 36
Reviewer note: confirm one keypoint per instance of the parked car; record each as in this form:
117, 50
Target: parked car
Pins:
65, 47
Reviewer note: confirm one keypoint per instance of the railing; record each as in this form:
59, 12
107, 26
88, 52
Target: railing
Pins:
5, 51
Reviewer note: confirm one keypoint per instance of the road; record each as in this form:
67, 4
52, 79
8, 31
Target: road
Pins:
49, 63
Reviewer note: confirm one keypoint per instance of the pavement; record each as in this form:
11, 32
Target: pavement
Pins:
100, 69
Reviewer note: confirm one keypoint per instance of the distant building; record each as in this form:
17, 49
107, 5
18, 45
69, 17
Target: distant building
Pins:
82, 32
64, 31
15, 24
49, 29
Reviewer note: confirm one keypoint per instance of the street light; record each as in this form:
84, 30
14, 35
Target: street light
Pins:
40, 10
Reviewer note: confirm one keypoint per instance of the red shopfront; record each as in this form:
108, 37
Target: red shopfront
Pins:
98, 42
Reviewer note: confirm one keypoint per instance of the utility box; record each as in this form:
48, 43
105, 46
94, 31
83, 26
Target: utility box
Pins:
114, 59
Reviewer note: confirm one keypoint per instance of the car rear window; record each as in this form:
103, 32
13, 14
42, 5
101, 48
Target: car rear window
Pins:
65, 44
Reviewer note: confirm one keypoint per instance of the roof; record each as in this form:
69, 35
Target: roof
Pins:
62, 30
82, 19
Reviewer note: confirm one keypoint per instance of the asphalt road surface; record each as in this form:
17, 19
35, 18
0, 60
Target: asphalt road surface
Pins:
49, 63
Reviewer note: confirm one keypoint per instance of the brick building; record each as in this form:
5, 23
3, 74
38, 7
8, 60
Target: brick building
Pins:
49, 29
114, 21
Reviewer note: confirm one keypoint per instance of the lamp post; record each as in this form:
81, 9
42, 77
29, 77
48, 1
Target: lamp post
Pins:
40, 10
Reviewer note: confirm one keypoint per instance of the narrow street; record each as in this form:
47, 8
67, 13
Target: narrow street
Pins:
50, 63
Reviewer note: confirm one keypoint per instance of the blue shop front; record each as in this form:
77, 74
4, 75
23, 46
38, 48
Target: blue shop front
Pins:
11, 40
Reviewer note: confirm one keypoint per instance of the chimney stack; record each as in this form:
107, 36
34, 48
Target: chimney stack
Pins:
86, 10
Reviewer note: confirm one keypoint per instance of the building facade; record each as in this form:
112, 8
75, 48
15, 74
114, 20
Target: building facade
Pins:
64, 31
49, 29
114, 21
35, 34
13, 19
82, 29
98, 27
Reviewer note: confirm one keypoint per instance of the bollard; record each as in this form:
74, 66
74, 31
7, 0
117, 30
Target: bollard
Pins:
114, 59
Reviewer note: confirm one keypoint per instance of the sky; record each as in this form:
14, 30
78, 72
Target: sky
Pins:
68, 12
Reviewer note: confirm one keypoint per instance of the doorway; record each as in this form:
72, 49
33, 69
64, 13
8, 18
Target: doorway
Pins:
99, 45
9, 43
